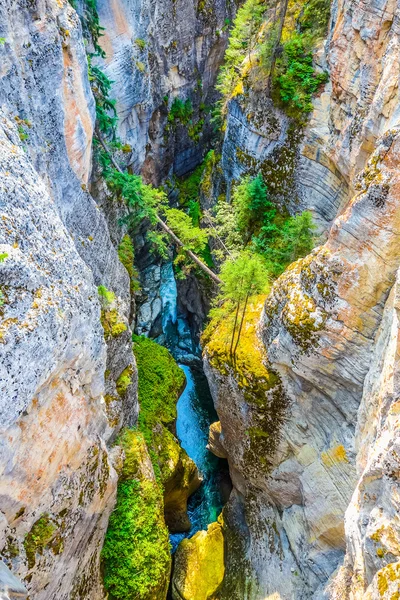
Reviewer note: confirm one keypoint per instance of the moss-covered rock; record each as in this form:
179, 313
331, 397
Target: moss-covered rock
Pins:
136, 555
160, 384
199, 565
179, 477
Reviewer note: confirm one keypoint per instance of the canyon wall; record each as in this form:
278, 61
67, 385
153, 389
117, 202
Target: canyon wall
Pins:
317, 517
58, 482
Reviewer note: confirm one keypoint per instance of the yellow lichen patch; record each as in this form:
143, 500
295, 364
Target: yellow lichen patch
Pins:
249, 359
199, 565
387, 576
334, 456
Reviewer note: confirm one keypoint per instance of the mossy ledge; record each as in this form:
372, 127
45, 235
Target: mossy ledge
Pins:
260, 385
155, 481
136, 557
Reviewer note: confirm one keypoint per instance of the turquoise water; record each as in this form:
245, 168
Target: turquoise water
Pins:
195, 414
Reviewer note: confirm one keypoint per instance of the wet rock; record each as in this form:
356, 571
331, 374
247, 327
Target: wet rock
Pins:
214, 440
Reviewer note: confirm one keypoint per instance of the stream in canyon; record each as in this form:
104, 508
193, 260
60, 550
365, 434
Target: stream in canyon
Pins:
196, 412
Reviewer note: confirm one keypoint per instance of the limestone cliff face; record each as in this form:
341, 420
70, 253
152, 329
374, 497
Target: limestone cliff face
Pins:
327, 497
313, 167
157, 52
57, 477
61, 402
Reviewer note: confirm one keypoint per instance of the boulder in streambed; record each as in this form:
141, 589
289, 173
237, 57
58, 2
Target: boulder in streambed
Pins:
199, 565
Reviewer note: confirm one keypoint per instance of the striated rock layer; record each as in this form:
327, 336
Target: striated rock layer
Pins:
314, 508
58, 483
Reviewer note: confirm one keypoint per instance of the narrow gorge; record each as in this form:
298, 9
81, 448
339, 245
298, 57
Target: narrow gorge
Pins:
199, 260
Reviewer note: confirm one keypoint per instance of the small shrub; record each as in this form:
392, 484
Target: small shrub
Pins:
180, 111
141, 44
106, 296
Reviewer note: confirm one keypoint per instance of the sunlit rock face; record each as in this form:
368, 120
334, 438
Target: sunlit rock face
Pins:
157, 52
321, 521
58, 482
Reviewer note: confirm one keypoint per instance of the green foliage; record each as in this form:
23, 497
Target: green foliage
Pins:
106, 113
110, 319
126, 254
3, 256
315, 17
2, 297
135, 554
251, 205
106, 296
194, 212
295, 77
253, 221
38, 538
141, 44
91, 25
242, 278
254, 50
195, 129
242, 43
193, 237
285, 244
180, 111
189, 187
2, 41
160, 382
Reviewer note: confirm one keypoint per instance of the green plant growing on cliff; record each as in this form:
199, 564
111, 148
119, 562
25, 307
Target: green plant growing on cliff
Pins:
280, 246
126, 254
109, 317
181, 110
242, 278
91, 25
253, 221
136, 547
295, 78
160, 383
241, 47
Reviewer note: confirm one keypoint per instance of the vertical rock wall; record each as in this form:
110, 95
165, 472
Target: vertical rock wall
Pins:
58, 482
321, 520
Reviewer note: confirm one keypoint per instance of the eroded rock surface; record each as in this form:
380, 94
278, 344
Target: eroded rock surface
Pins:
199, 565
319, 521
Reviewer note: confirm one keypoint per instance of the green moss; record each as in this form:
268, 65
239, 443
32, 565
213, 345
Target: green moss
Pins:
112, 326
124, 381
160, 383
260, 384
126, 255
39, 538
135, 555
109, 317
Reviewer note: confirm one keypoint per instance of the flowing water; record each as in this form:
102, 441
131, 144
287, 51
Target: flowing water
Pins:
195, 414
